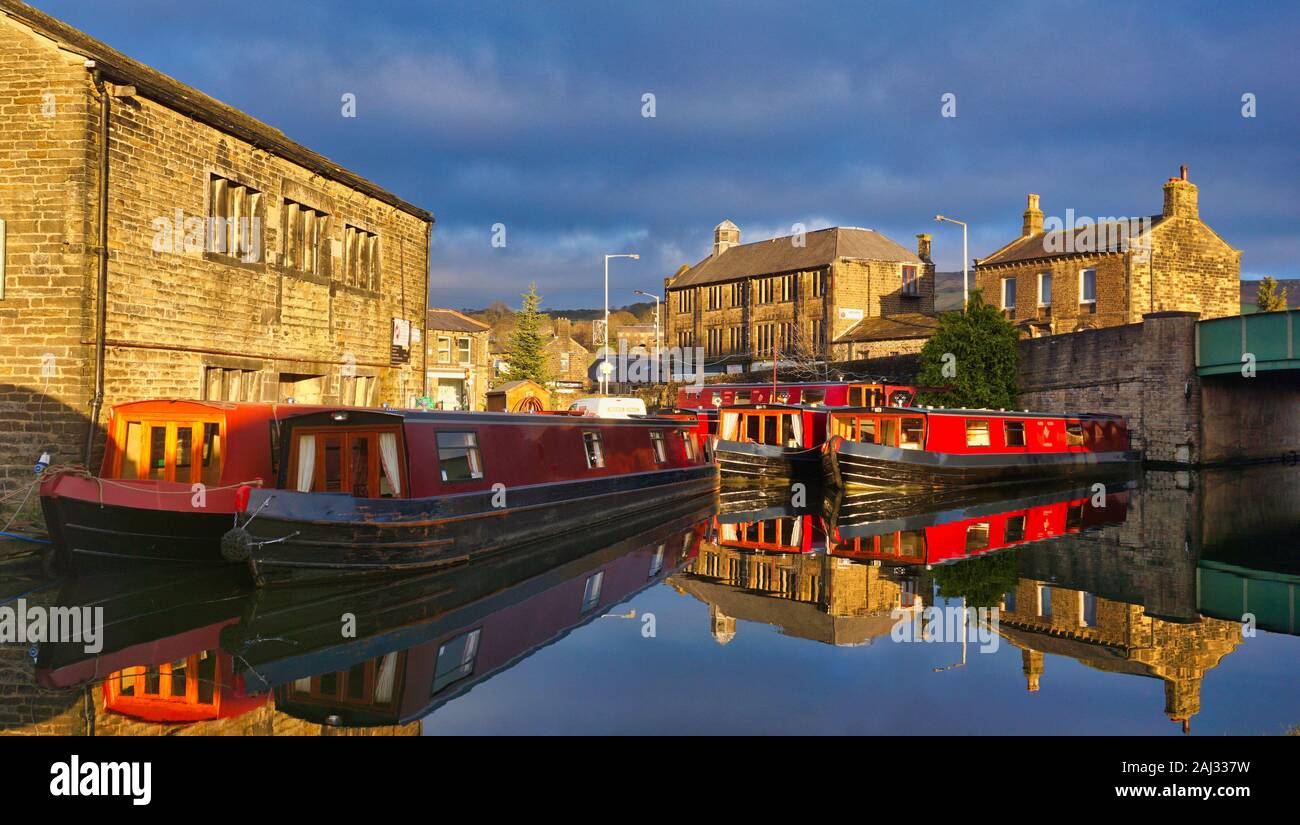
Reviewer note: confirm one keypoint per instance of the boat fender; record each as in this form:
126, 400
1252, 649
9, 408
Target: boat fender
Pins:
236, 544
241, 498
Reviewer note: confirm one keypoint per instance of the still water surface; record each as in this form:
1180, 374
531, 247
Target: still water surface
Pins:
1120, 614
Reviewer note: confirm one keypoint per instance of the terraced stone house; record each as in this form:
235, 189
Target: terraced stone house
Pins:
792, 297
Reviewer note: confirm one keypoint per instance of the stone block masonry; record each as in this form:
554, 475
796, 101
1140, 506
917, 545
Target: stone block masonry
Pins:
337, 261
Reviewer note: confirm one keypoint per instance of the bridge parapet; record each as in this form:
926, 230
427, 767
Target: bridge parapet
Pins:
1270, 338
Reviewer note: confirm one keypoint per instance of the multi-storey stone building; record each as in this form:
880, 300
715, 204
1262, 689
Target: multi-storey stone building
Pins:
459, 365
158, 243
793, 296
1066, 274
567, 363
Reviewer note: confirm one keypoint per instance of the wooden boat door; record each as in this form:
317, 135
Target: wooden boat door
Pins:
364, 463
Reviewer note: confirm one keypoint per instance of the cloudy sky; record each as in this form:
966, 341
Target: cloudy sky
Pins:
531, 115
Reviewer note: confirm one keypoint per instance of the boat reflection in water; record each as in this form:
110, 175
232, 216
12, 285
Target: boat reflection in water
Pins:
422, 641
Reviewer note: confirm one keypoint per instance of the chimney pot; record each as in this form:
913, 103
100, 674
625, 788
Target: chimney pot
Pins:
1033, 218
923, 246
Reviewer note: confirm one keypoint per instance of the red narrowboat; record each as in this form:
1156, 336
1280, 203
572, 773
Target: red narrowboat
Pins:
167, 486
810, 393
930, 538
909, 447
703, 423
375, 492
771, 442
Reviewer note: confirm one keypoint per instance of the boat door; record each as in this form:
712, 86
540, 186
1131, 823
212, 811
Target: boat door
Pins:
362, 462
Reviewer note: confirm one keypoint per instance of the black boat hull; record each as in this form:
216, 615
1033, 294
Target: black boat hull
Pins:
310, 537
89, 537
855, 464
767, 462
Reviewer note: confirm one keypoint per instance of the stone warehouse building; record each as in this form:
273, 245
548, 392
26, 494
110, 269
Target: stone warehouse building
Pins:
459, 365
158, 243
796, 295
1113, 271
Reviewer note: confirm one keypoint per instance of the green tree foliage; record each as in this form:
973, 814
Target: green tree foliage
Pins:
1268, 297
974, 356
524, 355
982, 581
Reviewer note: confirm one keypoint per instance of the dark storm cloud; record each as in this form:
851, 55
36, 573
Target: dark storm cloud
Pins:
770, 114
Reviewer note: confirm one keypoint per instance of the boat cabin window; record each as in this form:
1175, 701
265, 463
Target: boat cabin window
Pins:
888, 434
361, 463
1015, 529
459, 457
659, 447
180, 451
777, 428
595, 450
688, 443
1014, 432
977, 537
977, 433
912, 434
1073, 434
813, 397
743, 396
455, 660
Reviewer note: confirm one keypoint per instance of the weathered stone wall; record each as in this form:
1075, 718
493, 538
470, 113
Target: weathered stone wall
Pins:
1145, 372
1066, 313
1250, 418
47, 185
876, 287
173, 309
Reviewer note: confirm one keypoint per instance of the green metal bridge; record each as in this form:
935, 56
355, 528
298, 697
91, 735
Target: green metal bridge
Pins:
1272, 338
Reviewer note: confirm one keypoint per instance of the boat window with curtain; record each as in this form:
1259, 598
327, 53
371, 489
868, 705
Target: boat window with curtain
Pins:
390, 483
595, 450
658, 446
458, 456
912, 434
977, 433
794, 438
306, 463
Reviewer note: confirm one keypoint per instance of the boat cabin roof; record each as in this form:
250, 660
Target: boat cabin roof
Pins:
563, 417
964, 413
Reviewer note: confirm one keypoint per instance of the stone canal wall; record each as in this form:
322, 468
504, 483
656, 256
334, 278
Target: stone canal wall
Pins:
1145, 372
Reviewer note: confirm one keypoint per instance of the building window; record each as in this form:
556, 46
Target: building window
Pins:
444, 349
715, 297
815, 328
911, 285
1015, 433
462, 350
714, 341
659, 447
234, 222
977, 433
459, 458
360, 258
686, 300
1088, 286
789, 287
303, 231
738, 294
355, 390
224, 384
564, 362
818, 284
1044, 289
766, 290
1009, 293
595, 450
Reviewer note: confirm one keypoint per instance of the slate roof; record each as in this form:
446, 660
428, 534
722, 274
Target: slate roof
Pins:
782, 255
891, 328
449, 320
1063, 242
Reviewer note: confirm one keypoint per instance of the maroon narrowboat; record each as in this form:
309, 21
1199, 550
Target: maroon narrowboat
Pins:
381, 492
167, 486
703, 423
808, 393
771, 442
908, 447
931, 538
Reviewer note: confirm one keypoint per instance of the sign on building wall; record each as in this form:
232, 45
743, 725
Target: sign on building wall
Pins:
847, 314
401, 353
598, 332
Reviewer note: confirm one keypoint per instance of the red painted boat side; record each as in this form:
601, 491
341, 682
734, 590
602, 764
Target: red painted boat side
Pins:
829, 393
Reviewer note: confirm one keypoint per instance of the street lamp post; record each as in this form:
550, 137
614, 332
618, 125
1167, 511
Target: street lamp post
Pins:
605, 371
965, 287
656, 297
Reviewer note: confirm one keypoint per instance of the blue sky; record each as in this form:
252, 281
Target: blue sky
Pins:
770, 114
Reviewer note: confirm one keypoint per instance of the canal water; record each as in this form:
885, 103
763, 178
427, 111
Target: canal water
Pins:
1162, 606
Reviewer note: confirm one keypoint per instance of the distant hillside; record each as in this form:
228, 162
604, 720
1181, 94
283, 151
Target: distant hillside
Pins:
1250, 288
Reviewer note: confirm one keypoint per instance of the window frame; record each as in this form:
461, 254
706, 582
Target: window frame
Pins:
596, 459
1043, 304
1083, 280
476, 448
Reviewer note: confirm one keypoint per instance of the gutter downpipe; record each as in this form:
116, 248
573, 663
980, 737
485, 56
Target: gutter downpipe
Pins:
101, 292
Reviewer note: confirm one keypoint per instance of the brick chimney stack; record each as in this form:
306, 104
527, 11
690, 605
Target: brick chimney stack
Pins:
1033, 218
923, 247
1180, 197
563, 328
725, 236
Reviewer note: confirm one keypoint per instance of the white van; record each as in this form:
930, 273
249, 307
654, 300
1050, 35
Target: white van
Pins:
609, 406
